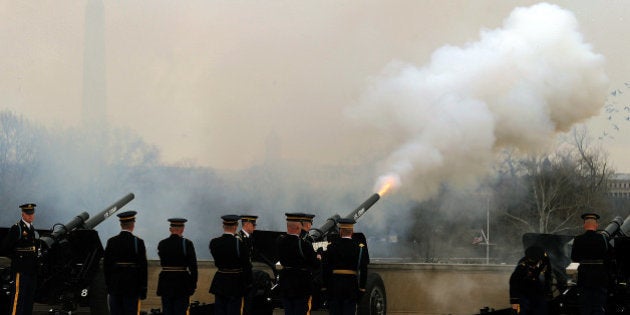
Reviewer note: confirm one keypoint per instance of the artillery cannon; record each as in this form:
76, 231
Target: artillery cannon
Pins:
373, 302
69, 273
565, 299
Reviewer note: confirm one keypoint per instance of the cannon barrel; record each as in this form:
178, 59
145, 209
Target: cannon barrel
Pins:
83, 221
318, 234
73, 224
624, 229
613, 228
107, 212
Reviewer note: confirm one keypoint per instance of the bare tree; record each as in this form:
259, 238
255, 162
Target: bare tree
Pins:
19, 147
552, 189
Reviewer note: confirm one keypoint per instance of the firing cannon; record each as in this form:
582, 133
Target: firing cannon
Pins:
331, 224
69, 272
374, 302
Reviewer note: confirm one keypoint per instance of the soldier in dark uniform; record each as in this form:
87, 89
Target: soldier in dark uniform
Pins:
345, 270
248, 226
298, 261
178, 278
233, 276
530, 283
22, 245
307, 223
590, 250
125, 267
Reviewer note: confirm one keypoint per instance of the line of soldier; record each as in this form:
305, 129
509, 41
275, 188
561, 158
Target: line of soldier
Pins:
344, 267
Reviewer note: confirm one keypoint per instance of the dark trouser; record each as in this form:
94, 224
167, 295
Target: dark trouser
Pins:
175, 305
593, 300
342, 306
248, 301
534, 305
123, 305
228, 305
25, 284
300, 305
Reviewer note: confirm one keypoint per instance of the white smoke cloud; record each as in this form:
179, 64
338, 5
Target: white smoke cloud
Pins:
518, 86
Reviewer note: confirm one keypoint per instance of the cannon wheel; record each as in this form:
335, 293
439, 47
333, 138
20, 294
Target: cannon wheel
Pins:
374, 302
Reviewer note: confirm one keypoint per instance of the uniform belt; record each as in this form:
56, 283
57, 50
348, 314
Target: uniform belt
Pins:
174, 269
592, 262
125, 264
25, 249
224, 270
344, 272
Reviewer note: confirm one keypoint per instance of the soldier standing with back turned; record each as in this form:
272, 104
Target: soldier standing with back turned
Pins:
22, 245
125, 268
178, 278
590, 249
345, 270
232, 279
298, 261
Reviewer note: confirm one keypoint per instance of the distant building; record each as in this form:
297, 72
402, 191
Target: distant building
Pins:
619, 186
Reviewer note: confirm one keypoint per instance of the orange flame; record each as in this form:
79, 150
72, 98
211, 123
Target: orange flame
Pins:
385, 188
387, 183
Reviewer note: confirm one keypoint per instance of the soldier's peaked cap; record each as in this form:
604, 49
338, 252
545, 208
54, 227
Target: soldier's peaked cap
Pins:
308, 217
248, 218
346, 223
590, 215
230, 219
297, 217
28, 208
127, 216
175, 222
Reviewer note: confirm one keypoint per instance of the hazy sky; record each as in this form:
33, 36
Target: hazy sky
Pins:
210, 81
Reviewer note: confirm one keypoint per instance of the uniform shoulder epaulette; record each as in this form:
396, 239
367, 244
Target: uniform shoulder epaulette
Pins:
361, 245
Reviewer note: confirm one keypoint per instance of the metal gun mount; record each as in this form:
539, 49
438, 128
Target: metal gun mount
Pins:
331, 223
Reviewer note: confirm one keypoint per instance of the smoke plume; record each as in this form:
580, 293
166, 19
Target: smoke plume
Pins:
517, 86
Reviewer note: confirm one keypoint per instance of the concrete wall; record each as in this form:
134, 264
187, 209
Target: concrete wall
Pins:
411, 288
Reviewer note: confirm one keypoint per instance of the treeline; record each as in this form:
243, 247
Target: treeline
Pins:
70, 170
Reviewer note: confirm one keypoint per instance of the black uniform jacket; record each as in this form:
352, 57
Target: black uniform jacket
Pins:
345, 268
298, 260
590, 250
179, 267
529, 281
21, 244
306, 236
231, 257
125, 265
247, 240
